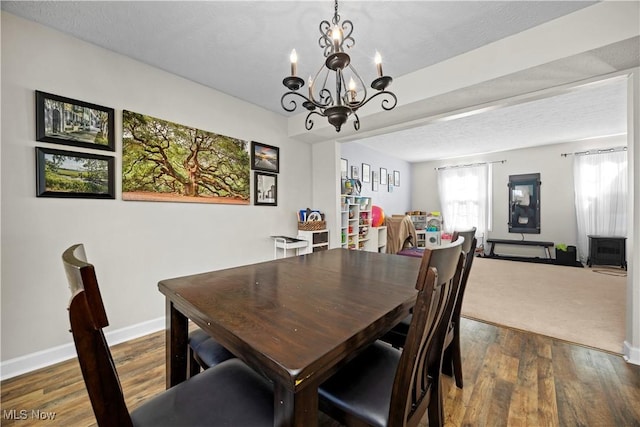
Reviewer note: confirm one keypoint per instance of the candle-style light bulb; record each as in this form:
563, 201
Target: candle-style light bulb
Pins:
294, 61
352, 89
336, 35
310, 88
378, 61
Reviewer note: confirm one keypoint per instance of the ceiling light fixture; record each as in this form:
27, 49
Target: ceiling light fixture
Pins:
345, 100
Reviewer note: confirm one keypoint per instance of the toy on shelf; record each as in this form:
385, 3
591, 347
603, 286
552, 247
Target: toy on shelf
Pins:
433, 228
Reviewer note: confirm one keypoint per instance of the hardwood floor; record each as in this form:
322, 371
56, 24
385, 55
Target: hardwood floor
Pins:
511, 378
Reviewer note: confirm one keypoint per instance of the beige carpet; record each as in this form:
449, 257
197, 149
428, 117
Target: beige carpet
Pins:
581, 305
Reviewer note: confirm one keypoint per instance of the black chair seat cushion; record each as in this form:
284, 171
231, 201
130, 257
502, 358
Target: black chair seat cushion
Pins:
398, 334
364, 385
207, 351
229, 394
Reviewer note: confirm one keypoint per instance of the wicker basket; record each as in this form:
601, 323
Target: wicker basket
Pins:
312, 225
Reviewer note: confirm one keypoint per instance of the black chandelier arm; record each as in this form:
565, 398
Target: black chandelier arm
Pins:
326, 98
293, 104
385, 104
308, 122
356, 121
308, 103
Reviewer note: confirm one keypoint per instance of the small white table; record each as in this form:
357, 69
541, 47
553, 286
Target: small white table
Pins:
285, 243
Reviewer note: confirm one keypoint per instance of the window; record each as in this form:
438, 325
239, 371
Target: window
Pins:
464, 196
600, 182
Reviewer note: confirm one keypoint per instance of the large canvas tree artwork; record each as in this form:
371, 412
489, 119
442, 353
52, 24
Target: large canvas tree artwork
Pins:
165, 161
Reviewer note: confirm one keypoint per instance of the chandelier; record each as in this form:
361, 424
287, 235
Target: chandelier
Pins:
329, 95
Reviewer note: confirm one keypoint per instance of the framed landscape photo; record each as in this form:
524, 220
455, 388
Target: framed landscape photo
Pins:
396, 178
383, 176
164, 161
366, 173
374, 181
71, 174
354, 172
265, 157
265, 190
71, 122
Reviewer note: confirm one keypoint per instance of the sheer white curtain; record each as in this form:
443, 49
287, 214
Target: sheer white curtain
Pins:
464, 197
601, 196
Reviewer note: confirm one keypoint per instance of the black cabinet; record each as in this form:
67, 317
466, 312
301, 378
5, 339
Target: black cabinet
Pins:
607, 250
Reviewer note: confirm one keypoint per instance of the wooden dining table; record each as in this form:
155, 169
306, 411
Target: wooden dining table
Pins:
295, 320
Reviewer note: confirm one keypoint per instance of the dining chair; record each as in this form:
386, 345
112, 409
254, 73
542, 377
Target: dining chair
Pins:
401, 233
204, 352
230, 393
386, 387
397, 336
452, 356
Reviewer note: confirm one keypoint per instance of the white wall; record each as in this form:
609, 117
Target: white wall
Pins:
557, 202
325, 172
132, 244
398, 201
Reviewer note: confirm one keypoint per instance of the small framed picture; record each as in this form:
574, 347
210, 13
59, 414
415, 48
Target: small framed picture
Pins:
265, 157
396, 178
74, 175
265, 190
390, 183
355, 172
71, 122
383, 176
366, 173
374, 181
344, 168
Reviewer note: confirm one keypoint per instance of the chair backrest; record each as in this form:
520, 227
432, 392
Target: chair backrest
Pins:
87, 316
439, 271
469, 249
401, 233
468, 235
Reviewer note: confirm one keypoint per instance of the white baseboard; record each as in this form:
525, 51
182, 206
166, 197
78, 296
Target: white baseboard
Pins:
631, 354
41, 359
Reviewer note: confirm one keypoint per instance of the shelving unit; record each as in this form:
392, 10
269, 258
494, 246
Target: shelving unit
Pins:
377, 241
355, 221
419, 220
318, 240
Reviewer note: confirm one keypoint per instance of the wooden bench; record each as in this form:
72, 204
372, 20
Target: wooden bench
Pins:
545, 245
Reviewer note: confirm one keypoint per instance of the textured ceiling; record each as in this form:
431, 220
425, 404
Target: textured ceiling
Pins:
242, 48
587, 112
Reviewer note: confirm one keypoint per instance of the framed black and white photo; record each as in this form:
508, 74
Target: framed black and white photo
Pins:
265, 190
374, 181
355, 172
383, 176
366, 173
390, 183
344, 168
396, 178
265, 157
68, 121
71, 174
